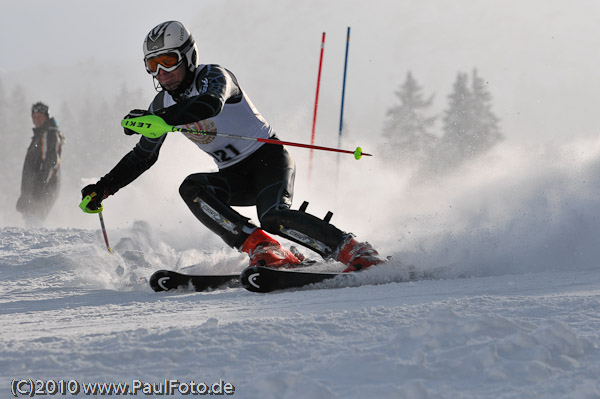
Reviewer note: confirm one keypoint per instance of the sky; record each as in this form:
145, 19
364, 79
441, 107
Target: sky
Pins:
538, 58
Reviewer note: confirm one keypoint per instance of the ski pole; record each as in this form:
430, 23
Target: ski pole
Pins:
104, 232
153, 126
83, 206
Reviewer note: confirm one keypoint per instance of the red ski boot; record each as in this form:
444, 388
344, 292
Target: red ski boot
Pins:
357, 255
266, 251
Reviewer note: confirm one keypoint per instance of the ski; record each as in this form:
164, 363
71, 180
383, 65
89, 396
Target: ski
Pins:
166, 280
266, 279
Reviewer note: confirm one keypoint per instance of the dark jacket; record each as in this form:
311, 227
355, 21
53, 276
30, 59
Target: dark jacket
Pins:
41, 170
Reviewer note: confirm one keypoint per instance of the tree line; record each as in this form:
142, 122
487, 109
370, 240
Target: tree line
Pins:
469, 127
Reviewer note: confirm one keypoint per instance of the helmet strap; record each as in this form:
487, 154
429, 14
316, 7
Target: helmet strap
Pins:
157, 85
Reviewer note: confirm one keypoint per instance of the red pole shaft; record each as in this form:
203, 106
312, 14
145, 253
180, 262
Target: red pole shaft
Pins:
314, 124
269, 141
315, 147
104, 231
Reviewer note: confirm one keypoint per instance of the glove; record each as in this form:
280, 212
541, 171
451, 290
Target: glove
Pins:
134, 113
98, 192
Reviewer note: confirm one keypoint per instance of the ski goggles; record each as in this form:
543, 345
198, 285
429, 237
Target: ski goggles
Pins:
168, 61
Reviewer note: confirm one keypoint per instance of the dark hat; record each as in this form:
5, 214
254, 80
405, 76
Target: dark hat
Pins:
39, 107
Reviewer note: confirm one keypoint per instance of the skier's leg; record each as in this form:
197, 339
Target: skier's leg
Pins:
304, 229
273, 202
208, 196
275, 215
322, 237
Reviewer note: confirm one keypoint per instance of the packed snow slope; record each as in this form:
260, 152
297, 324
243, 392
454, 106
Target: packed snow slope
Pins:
511, 313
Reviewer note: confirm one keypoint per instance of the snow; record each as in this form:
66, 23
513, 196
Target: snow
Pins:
511, 313
71, 311
512, 310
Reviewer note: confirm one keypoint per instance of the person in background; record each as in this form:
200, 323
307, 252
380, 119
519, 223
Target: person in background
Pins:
40, 181
209, 97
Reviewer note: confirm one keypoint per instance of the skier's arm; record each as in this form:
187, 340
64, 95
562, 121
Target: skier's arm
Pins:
129, 168
216, 86
132, 165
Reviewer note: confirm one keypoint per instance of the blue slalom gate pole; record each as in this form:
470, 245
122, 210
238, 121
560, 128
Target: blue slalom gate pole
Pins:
337, 168
344, 88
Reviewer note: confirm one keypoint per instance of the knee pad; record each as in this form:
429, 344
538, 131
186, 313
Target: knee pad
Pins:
192, 188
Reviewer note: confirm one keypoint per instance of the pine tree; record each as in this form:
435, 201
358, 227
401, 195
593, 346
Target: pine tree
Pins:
486, 131
454, 145
406, 133
470, 127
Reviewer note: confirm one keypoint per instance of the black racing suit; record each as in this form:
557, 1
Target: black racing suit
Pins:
250, 173
40, 181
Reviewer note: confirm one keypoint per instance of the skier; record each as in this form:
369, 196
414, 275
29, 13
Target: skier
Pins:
209, 97
40, 181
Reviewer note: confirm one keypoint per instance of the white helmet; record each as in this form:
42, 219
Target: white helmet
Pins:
174, 43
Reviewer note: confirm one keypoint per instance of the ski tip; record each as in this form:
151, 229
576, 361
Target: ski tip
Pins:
158, 279
251, 279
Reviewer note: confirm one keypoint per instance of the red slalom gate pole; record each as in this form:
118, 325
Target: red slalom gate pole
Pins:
314, 124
